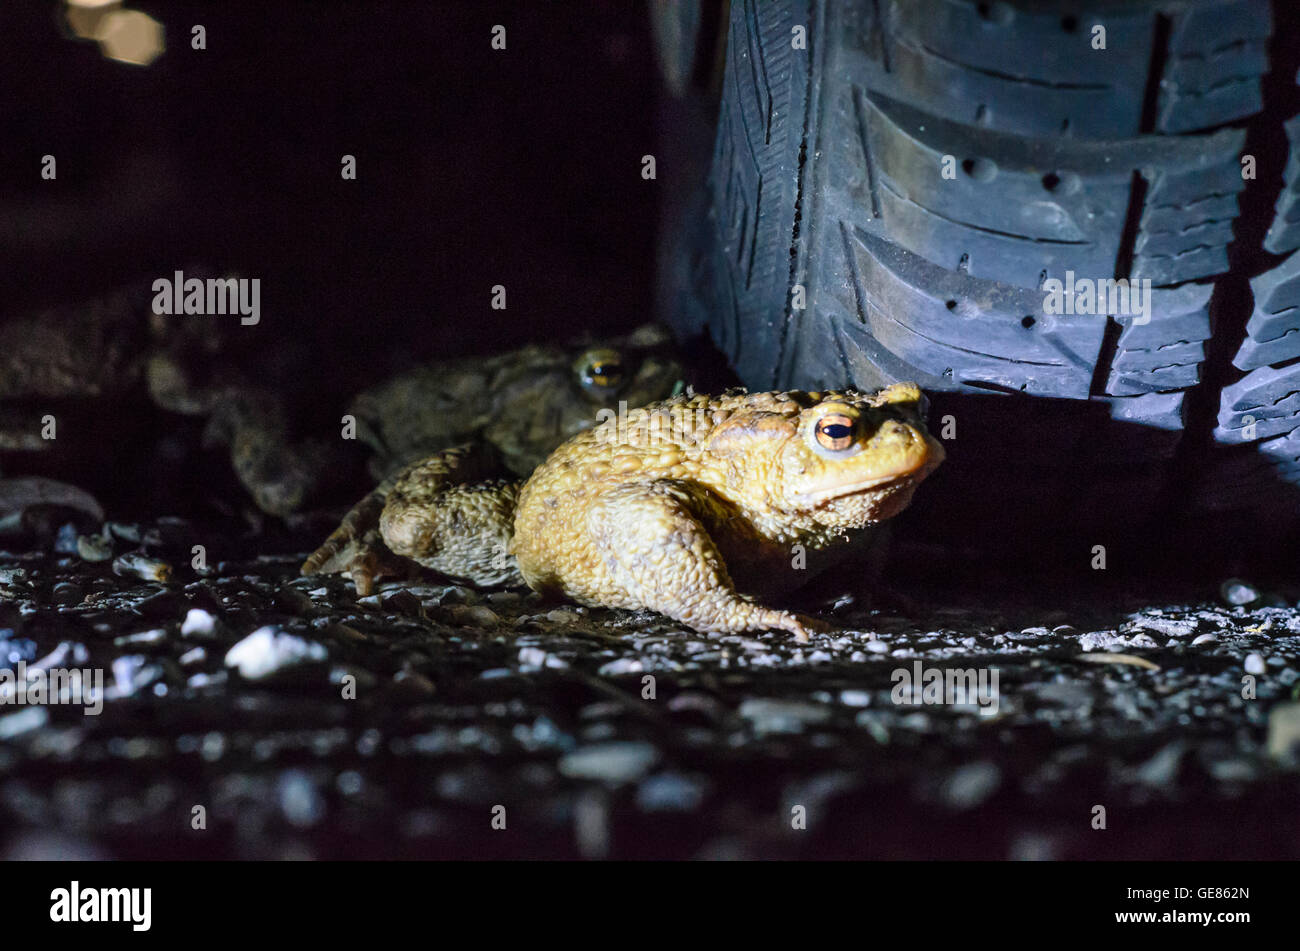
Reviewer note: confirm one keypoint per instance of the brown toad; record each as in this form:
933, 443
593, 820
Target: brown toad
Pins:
523, 403
501, 416
678, 507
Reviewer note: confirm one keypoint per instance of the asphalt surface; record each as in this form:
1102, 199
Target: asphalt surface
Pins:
252, 713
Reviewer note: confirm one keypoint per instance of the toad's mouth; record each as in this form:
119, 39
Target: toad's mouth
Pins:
909, 471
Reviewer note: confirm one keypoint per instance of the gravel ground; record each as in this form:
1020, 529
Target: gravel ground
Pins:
309, 723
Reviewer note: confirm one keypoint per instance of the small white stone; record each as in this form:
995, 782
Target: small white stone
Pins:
269, 649
196, 655
198, 621
24, 721
769, 715
624, 665
1283, 730
532, 657
617, 761
971, 784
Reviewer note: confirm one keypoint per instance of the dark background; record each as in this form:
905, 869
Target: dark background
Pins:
475, 167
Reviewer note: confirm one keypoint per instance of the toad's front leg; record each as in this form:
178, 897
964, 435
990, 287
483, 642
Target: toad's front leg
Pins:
655, 551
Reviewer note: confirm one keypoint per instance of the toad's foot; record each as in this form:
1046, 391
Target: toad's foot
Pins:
357, 533
358, 551
769, 619
367, 561
803, 627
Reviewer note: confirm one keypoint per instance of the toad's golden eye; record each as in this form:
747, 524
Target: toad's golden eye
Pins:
600, 371
834, 431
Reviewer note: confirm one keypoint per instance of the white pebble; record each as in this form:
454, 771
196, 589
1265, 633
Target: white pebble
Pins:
269, 649
532, 657
198, 621
24, 721
617, 761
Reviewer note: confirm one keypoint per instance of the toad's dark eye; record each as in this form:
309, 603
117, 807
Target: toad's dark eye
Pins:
600, 372
835, 431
